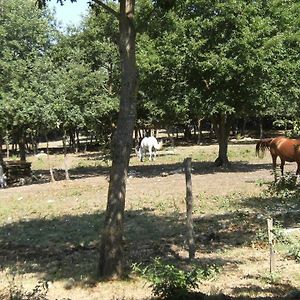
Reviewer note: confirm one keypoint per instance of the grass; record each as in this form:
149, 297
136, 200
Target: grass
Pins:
51, 231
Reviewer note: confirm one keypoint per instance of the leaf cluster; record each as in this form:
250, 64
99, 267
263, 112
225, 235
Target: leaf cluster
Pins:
202, 58
54, 81
170, 282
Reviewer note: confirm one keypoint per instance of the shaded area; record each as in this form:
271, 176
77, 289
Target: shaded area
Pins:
94, 164
154, 170
201, 296
67, 247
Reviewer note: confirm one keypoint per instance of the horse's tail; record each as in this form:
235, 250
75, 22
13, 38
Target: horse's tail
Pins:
261, 147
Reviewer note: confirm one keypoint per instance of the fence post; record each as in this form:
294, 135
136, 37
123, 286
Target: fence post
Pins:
189, 207
271, 243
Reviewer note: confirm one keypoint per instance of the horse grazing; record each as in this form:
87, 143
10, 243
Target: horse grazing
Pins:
149, 144
287, 149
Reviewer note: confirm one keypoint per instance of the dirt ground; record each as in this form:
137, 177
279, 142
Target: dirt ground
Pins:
155, 190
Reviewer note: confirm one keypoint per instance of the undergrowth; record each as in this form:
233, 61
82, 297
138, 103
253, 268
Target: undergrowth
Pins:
285, 243
169, 282
285, 187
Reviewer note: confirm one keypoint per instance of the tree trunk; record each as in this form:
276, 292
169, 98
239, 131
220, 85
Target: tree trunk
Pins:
111, 263
187, 133
22, 147
244, 126
72, 141
221, 125
261, 130
200, 135
77, 149
1, 155
7, 144
49, 160
64, 140
34, 143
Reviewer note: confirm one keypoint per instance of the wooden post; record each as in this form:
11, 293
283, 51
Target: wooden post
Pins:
189, 207
271, 243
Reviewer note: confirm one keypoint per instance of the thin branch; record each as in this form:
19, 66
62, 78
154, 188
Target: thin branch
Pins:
108, 8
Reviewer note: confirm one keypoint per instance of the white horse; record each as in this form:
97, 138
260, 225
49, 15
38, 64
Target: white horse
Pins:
149, 144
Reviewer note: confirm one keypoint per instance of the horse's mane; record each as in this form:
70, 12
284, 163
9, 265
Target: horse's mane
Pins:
261, 147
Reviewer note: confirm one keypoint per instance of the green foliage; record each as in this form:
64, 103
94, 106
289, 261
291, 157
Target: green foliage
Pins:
284, 242
272, 278
26, 36
202, 59
284, 187
294, 252
169, 282
55, 82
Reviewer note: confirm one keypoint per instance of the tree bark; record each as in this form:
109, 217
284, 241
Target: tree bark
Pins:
49, 160
22, 147
221, 123
1, 154
7, 144
261, 130
200, 135
111, 263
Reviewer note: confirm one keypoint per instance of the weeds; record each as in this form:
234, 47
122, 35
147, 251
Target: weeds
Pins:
169, 282
294, 252
272, 278
284, 243
285, 187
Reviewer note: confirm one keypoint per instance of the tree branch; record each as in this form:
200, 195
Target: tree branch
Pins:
107, 8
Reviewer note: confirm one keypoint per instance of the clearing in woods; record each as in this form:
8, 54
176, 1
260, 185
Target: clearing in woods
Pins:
50, 231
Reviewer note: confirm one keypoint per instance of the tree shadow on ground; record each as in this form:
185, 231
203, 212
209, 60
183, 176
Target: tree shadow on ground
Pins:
67, 247
274, 289
153, 170
283, 210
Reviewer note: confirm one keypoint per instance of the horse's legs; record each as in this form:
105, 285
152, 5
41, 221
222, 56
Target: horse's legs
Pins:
282, 166
298, 168
154, 154
298, 172
150, 153
274, 158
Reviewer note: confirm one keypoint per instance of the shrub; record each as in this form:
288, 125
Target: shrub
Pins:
285, 186
169, 282
294, 251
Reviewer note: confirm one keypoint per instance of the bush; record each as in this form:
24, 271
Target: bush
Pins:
285, 186
294, 252
169, 282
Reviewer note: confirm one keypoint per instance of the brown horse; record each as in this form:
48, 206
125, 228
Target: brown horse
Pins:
287, 149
